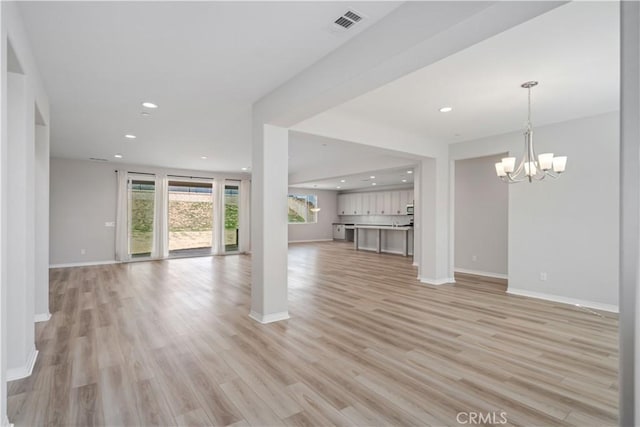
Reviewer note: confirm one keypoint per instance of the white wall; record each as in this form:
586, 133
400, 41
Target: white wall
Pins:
567, 228
83, 199
481, 206
323, 229
19, 262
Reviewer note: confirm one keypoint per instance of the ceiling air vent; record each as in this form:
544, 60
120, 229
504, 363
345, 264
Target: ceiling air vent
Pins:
347, 20
96, 159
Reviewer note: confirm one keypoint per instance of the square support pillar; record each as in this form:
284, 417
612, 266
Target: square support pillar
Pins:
434, 267
20, 232
629, 371
269, 224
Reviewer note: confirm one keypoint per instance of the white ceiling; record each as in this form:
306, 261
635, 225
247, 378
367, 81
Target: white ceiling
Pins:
204, 63
316, 160
573, 51
385, 178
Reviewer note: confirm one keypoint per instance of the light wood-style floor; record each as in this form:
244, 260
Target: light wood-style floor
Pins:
171, 343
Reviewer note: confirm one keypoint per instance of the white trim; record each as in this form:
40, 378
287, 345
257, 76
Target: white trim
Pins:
436, 282
481, 273
564, 300
5, 421
311, 241
41, 317
83, 264
23, 371
269, 318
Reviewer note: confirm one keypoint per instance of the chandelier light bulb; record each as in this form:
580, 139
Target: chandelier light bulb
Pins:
545, 161
559, 164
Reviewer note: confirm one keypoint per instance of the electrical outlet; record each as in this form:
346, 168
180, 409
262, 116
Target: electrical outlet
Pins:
83, 251
543, 276
474, 258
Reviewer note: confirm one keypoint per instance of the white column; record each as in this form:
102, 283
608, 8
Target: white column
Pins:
434, 267
21, 352
4, 420
417, 208
629, 372
42, 223
269, 228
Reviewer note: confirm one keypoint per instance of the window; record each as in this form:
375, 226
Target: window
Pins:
190, 217
231, 230
302, 208
141, 211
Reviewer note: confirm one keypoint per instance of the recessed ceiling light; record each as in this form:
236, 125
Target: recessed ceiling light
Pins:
404, 180
117, 156
373, 183
130, 136
338, 187
145, 114
446, 109
244, 169
203, 157
343, 180
149, 105
372, 177
409, 171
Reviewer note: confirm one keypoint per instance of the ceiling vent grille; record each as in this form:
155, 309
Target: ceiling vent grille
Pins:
347, 20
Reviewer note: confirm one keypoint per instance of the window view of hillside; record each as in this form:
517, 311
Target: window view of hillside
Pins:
300, 208
190, 217
142, 197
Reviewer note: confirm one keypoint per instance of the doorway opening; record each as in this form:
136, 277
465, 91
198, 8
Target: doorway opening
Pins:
190, 218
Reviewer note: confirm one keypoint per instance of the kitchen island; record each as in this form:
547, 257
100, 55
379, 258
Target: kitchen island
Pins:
383, 238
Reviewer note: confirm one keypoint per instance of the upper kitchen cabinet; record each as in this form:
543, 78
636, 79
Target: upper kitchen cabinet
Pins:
375, 203
342, 204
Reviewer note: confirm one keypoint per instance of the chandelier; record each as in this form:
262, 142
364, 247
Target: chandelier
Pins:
531, 166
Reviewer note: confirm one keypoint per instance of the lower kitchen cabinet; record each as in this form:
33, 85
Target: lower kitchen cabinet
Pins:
338, 232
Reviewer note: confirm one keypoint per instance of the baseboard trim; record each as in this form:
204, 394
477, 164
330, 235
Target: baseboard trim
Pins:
269, 318
83, 264
41, 317
481, 273
23, 371
436, 282
311, 241
564, 300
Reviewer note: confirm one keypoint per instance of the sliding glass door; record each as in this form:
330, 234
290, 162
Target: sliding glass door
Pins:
231, 208
141, 213
190, 218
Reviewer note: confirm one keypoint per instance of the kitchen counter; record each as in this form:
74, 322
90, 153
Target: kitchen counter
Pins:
382, 233
385, 227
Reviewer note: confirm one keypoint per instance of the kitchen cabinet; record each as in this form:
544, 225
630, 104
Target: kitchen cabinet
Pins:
342, 204
375, 203
338, 232
369, 203
356, 200
396, 202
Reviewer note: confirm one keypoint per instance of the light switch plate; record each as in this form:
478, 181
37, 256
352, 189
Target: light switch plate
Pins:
110, 224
